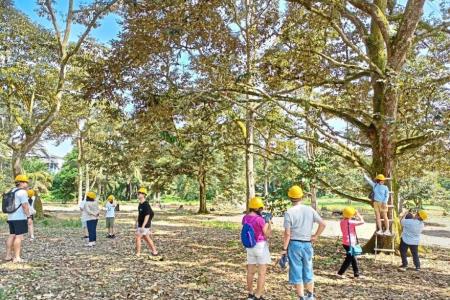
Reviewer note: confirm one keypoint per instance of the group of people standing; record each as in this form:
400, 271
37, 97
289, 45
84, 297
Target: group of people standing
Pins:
20, 219
298, 239
90, 213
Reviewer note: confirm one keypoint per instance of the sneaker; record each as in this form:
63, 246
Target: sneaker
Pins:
387, 232
402, 269
380, 232
251, 297
310, 296
417, 269
113, 236
340, 276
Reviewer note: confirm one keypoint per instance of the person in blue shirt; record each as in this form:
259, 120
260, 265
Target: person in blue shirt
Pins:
412, 228
380, 201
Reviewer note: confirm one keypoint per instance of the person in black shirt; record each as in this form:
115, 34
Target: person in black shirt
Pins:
143, 223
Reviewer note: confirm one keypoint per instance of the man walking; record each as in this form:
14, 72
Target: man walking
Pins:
18, 219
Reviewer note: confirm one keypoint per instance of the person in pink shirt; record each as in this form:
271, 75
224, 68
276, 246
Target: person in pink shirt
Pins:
258, 257
348, 228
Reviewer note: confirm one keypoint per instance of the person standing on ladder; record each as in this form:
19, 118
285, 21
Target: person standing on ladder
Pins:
380, 198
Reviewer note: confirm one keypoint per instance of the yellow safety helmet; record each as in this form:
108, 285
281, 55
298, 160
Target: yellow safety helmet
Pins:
91, 195
110, 197
349, 212
380, 177
21, 178
255, 203
295, 192
30, 193
143, 190
423, 214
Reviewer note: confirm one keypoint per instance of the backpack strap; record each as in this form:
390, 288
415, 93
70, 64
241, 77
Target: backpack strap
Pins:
14, 194
349, 236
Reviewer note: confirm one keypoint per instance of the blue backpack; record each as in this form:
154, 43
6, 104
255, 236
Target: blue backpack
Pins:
248, 236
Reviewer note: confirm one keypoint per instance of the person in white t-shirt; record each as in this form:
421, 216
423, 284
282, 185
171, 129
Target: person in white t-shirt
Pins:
18, 220
83, 221
110, 215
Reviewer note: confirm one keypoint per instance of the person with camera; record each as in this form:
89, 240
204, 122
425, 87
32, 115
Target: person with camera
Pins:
350, 239
413, 226
258, 254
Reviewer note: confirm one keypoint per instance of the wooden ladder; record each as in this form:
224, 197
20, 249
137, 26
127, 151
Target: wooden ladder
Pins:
390, 214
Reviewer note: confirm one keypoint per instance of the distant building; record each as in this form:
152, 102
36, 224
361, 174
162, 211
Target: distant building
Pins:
54, 163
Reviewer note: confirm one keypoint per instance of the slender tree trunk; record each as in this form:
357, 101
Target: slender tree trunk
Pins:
249, 156
202, 189
266, 176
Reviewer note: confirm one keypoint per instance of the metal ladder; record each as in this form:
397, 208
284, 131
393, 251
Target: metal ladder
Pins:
390, 214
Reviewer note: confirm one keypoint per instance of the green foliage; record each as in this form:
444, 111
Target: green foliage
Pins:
65, 181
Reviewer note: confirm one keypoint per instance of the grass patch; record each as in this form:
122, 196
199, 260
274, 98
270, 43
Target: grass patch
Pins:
221, 225
53, 222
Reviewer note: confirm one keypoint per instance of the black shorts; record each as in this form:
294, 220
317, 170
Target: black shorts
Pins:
18, 227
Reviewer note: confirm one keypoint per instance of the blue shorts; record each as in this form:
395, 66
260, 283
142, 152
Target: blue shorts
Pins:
300, 262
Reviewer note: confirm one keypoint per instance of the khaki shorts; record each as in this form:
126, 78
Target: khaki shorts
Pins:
142, 232
378, 206
109, 222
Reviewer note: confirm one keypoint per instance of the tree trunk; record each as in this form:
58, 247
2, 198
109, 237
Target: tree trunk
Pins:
266, 176
249, 156
17, 158
313, 196
38, 207
202, 189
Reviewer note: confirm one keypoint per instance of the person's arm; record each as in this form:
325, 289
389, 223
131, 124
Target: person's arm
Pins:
369, 180
145, 221
286, 239
267, 230
386, 195
287, 232
319, 231
360, 219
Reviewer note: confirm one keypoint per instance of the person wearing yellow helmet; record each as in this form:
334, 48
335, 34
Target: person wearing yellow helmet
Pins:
297, 242
410, 238
91, 212
110, 215
143, 223
349, 239
379, 197
258, 254
31, 198
15, 204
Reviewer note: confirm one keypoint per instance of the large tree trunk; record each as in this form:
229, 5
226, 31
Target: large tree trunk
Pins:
202, 189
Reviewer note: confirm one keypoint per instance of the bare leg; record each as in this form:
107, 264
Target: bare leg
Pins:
251, 269
261, 280
299, 290
17, 244
378, 219
138, 244
31, 229
310, 287
386, 220
150, 243
9, 246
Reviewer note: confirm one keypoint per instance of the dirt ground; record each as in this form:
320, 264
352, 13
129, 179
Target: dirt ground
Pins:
202, 258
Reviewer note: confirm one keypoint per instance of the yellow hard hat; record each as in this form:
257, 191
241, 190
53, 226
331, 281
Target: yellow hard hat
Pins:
143, 190
295, 192
30, 193
380, 177
349, 212
110, 197
21, 178
255, 203
91, 195
423, 214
